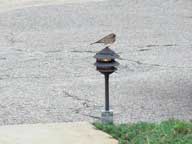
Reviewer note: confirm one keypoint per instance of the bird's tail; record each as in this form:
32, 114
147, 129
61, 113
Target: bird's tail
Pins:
99, 41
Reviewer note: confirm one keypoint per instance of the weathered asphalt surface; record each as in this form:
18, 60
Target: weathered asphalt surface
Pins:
46, 62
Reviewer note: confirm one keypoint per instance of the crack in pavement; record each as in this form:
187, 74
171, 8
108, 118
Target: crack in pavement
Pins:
89, 115
75, 97
77, 51
166, 45
144, 50
156, 65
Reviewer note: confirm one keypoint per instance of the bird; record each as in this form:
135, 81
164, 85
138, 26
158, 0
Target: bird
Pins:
107, 40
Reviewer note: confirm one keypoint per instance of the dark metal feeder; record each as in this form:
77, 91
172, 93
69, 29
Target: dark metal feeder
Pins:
105, 61
106, 64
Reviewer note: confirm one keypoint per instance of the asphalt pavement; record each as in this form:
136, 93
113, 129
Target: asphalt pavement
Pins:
46, 63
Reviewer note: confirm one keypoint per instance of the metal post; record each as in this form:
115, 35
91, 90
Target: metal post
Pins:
106, 92
107, 115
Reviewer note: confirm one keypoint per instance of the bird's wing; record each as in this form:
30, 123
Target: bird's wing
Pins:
99, 41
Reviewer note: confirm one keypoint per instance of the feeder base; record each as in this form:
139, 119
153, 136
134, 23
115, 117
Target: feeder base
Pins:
107, 117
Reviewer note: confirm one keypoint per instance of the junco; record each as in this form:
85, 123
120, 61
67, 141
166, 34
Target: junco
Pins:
107, 40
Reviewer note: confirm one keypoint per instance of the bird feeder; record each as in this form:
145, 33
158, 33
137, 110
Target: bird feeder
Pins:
106, 64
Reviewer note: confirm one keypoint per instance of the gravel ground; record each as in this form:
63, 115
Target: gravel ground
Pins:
46, 62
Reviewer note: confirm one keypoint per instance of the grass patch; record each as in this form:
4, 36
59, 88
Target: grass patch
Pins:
166, 132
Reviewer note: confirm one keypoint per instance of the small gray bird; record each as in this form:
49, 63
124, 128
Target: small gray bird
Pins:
107, 40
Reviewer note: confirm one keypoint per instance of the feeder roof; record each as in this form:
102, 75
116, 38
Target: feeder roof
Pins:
106, 53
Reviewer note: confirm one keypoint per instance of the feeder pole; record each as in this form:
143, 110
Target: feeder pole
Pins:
106, 91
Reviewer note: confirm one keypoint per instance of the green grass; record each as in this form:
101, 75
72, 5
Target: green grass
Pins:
166, 132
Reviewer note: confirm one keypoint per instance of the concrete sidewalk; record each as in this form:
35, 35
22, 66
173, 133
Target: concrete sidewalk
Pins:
58, 133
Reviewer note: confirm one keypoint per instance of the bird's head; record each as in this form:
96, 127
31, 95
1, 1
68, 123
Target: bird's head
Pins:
113, 35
